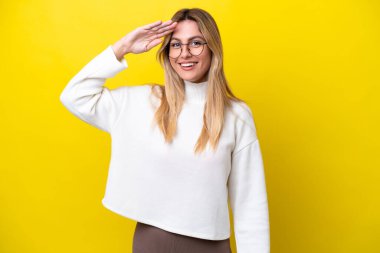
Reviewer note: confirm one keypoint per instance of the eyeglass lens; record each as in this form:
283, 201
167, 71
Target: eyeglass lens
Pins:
175, 49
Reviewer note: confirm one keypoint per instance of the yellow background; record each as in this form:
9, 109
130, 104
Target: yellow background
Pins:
308, 69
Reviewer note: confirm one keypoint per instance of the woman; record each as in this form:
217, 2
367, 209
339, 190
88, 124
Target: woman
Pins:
179, 150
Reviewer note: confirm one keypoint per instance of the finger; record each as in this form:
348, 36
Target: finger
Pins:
167, 23
172, 26
153, 44
151, 25
159, 35
164, 33
155, 34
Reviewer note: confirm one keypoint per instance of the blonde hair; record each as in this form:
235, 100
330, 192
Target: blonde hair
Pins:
172, 94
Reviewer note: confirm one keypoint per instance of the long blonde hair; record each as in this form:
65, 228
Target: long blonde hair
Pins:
172, 94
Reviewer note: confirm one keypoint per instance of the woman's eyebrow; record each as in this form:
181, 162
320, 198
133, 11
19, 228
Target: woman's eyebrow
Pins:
173, 38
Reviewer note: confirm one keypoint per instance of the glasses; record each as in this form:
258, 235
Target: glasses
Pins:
195, 48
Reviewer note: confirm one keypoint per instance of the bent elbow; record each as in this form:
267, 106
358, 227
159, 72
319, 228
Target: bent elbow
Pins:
65, 99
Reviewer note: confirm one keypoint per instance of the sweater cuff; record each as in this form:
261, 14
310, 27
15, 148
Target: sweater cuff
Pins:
104, 65
122, 62
110, 64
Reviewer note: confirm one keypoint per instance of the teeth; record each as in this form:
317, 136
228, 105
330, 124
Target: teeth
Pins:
187, 64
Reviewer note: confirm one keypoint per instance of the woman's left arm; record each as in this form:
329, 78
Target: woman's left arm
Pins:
248, 195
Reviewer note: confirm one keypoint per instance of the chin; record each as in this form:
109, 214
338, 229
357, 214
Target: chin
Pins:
192, 78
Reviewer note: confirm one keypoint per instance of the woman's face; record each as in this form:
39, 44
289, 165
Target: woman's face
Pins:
186, 32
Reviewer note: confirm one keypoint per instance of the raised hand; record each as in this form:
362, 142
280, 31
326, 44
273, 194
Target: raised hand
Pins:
143, 38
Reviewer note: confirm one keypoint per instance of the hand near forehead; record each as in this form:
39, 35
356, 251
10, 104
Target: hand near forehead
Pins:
145, 37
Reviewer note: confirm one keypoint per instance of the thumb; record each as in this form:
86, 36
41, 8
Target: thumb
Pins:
153, 43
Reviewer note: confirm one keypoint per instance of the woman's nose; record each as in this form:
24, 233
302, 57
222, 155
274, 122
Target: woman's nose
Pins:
185, 51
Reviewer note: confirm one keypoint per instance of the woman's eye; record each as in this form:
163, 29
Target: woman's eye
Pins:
175, 44
196, 43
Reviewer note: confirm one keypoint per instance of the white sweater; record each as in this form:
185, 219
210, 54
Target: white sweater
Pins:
166, 185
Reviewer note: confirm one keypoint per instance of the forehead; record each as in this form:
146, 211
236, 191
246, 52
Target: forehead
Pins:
186, 30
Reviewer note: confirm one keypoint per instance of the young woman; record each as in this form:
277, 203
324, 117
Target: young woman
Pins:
180, 151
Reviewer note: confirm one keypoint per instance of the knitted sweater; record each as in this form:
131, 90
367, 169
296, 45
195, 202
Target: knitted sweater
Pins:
167, 185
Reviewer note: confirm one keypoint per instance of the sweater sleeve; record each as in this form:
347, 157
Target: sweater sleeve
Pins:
248, 196
86, 97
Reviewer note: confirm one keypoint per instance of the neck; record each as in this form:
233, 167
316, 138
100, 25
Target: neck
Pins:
195, 92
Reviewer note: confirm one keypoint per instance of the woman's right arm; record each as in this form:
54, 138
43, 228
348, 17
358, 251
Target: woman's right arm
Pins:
86, 96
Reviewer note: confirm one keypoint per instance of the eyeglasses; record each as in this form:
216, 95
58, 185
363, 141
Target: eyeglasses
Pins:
195, 48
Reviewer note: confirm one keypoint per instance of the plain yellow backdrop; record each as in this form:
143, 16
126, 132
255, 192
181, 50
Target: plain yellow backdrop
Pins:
309, 70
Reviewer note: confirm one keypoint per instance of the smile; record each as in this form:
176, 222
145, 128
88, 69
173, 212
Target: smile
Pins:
188, 65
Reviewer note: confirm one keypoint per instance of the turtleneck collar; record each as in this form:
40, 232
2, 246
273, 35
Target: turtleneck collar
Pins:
195, 92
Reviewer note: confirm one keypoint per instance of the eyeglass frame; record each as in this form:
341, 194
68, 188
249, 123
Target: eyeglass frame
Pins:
203, 43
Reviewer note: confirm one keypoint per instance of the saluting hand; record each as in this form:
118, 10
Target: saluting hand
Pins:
143, 38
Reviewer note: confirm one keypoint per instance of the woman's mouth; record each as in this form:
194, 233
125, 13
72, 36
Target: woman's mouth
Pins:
188, 65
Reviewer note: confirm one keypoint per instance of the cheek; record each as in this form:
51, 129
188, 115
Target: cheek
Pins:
207, 61
173, 64
207, 57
